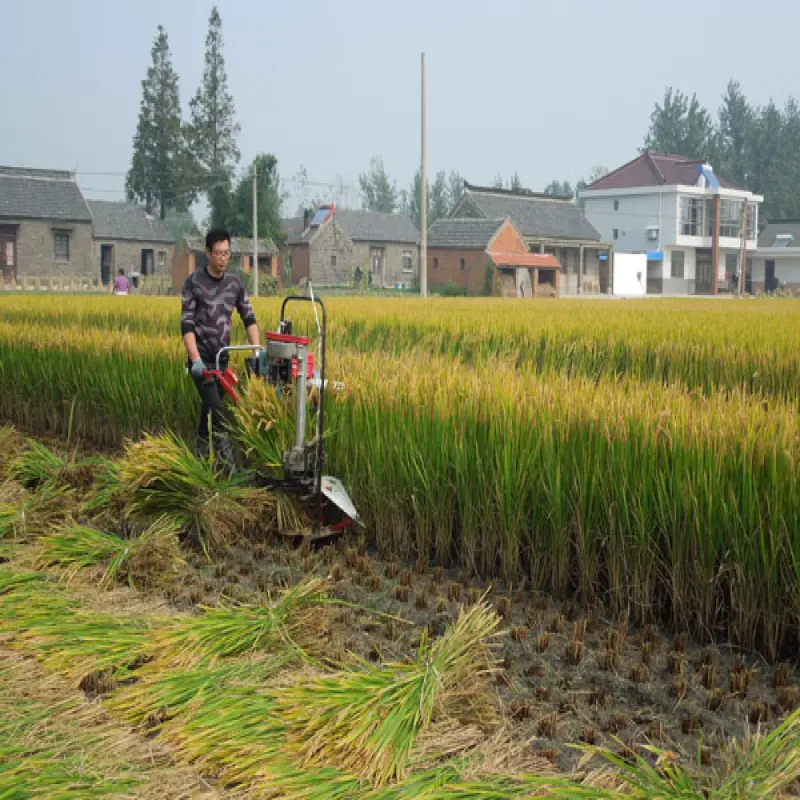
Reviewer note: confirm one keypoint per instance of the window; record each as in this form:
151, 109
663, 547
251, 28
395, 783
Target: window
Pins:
616, 233
463, 264
436, 263
731, 264
333, 260
752, 222
730, 218
677, 264
61, 243
616, 205
693, 216
162, 258
783, 240
408, 261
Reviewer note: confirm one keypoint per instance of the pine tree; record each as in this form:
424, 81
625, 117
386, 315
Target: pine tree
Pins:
160, 171
515, 182
212, 128
681, 126
736, 121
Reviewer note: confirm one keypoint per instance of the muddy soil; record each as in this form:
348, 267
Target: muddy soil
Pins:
568, 675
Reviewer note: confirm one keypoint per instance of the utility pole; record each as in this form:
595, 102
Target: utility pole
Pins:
743, 254
255, 233
423, 210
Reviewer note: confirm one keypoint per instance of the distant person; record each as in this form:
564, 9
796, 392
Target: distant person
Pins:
121, 284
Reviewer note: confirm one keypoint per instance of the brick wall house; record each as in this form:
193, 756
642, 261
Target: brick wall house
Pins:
127, 237
488, 256
332, 247
548, 225
45, 225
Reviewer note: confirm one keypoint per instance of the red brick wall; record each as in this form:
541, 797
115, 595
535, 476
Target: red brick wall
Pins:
182, 267
508, 241
472, 277
300, 261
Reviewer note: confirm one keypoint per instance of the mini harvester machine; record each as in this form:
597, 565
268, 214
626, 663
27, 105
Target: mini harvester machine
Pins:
286, 361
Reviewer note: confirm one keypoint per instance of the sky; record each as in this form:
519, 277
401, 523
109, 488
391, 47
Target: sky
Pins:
542, 88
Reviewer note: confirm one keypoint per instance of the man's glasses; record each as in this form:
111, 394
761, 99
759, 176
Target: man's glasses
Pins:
221, 253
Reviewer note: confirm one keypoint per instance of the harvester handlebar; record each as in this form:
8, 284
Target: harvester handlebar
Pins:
253, 347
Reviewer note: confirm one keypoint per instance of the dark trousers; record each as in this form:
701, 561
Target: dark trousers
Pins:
212, 406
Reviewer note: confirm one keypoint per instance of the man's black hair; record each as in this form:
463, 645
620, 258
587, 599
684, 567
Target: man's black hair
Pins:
216, 235
121, 271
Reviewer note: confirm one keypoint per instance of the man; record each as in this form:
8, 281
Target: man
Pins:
121, 285
207, 301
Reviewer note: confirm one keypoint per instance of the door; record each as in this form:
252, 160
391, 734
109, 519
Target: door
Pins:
376, 265
770, 284
147, 262
704, 273
655, 277
8, 253
106, 263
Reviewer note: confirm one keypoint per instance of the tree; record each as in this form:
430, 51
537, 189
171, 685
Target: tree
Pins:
160, 172
378, 193
769, 174
221, 201
681, 126
180, 223
515, 183
559, 189
270, 201
213, 129
455, 188
410, 200
497, 183
736, 120
595, 173
790, 159
439, 196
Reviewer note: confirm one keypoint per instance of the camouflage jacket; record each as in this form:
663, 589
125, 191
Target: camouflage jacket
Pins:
207, 305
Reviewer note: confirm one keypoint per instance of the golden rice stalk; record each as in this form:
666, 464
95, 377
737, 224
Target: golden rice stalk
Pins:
290, 516
11, 444
36, 465
297, 620
153, 560
77, 547
55, 744
30, 515
164, 478
366, 722
105, 499
263, 424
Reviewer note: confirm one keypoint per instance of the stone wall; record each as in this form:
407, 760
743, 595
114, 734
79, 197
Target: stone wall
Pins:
128, 256
36, 254
331, 256
393, 272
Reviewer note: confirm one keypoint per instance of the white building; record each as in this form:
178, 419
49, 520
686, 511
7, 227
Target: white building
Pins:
777, 260
678, 213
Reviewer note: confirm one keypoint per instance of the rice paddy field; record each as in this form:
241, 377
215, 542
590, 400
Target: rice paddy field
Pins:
579, 574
